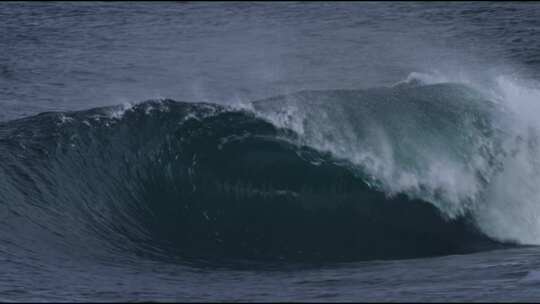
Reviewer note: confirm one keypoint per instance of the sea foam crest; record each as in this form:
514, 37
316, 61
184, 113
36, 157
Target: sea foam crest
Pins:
494, 176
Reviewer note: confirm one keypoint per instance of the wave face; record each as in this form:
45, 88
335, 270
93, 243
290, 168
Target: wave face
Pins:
400, 172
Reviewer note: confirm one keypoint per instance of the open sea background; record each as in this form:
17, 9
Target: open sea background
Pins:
291, 151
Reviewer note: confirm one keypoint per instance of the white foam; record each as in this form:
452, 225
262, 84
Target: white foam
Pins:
511, 207
119, 112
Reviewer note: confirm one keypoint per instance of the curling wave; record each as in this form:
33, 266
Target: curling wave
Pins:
407, 171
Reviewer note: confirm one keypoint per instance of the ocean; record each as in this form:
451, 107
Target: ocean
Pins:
269, 151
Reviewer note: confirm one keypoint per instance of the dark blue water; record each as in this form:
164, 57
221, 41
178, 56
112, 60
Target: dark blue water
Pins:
298, 151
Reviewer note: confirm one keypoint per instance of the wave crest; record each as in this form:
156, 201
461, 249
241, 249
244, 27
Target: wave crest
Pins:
340, 174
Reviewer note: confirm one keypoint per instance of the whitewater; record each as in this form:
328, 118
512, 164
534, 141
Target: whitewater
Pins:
269, 152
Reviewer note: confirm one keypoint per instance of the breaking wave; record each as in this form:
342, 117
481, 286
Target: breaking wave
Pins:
425, 167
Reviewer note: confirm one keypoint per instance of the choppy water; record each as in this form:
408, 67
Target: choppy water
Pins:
269, 151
